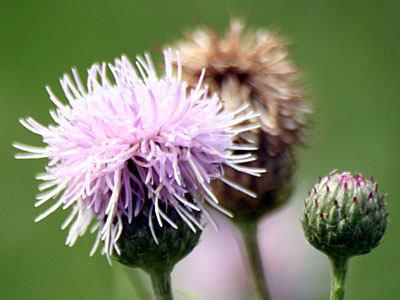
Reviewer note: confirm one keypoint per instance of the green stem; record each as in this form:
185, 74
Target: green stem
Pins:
338, 278
252, 255
162, 285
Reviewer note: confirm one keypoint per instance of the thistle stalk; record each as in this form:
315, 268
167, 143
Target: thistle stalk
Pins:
338, 278
161, 282
251, 253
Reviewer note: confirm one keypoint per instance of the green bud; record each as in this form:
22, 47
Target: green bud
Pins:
159, 251
344, 215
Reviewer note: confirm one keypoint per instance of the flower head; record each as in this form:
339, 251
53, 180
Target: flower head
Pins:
248, 67
344, 215
140, 145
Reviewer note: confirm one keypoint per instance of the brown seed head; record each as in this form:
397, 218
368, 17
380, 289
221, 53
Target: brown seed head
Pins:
251, 67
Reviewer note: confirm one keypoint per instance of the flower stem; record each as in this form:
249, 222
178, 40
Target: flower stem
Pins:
338, 278
161, 282
251, 252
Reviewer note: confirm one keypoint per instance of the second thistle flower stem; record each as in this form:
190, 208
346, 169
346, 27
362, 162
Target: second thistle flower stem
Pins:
338, 278
252, 255
161, 282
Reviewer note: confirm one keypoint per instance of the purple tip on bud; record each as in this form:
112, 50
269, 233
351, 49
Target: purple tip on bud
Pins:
371, 196
359, 177
321, 215
372, 179
345, 217
309, 193
319, 179
315, 190
376, 187
367, 212
327, 189
336, 203
316, 202
355, 200
346, 186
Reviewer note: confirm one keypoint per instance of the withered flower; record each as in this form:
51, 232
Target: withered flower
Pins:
245, 66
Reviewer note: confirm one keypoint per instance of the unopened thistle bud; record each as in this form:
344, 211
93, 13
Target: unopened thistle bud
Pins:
344, 215
252, 68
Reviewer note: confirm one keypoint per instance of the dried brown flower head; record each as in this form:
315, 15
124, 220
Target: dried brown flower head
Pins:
252, 67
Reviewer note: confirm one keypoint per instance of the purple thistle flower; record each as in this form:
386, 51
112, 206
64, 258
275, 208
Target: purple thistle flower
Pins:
117, 146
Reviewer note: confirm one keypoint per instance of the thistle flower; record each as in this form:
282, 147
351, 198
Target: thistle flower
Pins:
141, 146
252, 67
344, 215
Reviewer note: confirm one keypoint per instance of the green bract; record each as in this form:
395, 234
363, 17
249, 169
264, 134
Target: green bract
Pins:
138, 246
344, 215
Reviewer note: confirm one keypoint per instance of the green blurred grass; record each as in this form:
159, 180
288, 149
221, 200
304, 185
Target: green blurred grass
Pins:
349, 51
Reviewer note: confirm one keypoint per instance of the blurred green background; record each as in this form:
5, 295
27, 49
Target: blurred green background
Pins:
349, 51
